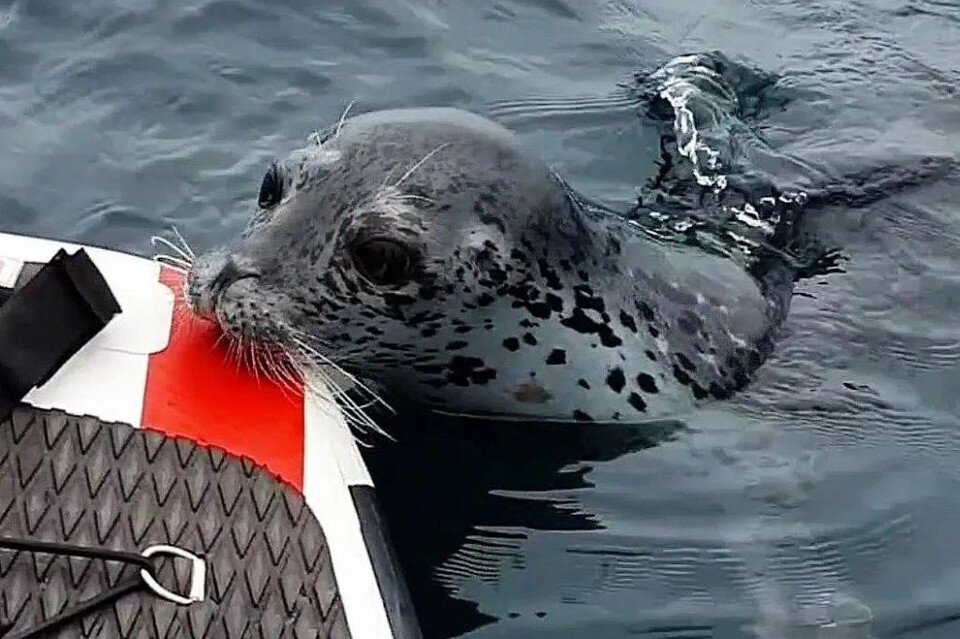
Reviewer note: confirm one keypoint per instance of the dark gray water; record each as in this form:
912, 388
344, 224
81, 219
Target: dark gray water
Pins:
823, 502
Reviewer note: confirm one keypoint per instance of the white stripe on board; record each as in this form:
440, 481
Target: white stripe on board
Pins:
9, 271
332, 464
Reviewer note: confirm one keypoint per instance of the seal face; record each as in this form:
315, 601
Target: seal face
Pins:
428, 251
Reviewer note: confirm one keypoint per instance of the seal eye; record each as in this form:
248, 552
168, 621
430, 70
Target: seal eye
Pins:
271, 189
384, 262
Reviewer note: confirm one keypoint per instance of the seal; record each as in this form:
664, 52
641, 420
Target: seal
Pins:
426, 252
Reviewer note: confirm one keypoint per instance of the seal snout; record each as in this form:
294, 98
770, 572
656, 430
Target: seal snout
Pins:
230, 274
211, 276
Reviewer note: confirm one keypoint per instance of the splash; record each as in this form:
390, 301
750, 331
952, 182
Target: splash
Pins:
677, 88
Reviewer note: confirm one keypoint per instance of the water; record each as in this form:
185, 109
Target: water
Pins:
823, 502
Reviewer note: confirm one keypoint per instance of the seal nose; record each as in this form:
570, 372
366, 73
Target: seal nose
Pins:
211, 275
232, 271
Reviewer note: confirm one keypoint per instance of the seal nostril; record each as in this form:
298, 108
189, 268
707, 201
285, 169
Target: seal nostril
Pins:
229, 274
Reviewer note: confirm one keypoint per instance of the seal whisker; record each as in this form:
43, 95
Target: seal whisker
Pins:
420, 163
183, 241
244, 352
230, 355
179, 269
353, 412
284, 376
354, 415
276, 373
172, 261
415, 198
320, 363
156, 239
326, 360
254, 361
341, 356
343, 118
240, 353
220, 339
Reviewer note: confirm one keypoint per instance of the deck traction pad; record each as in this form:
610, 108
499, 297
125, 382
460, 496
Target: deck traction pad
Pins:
81, 481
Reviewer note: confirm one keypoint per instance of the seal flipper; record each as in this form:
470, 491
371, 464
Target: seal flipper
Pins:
719, 183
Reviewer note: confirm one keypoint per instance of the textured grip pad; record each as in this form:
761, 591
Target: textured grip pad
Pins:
80, 481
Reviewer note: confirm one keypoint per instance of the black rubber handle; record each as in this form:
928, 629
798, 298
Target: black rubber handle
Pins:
46, 322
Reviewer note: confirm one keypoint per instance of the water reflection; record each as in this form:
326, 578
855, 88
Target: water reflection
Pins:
460, 498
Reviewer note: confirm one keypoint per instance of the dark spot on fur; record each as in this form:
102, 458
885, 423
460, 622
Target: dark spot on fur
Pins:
637, 402
646, 383
557, 356
530, 339
718, 391
651, 355
488, 218
456, 346
485, 299
540, 310
511, 344
497, 275
581, 416
463, 371
689, 323
398, 299
681, 375
607, 337
548, 273
579, 322
584, 298
627, 320
583, 383
554, 302
646, 311
685, 362
616, 380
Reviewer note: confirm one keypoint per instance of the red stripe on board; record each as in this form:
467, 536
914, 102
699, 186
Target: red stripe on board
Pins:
195, 391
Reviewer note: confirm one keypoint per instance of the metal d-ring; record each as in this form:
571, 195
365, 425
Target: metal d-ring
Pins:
198, 575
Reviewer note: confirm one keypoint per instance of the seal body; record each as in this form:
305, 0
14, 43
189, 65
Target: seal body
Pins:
429, 252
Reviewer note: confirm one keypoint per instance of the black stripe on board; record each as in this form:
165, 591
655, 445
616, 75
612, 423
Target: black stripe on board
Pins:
386, 566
